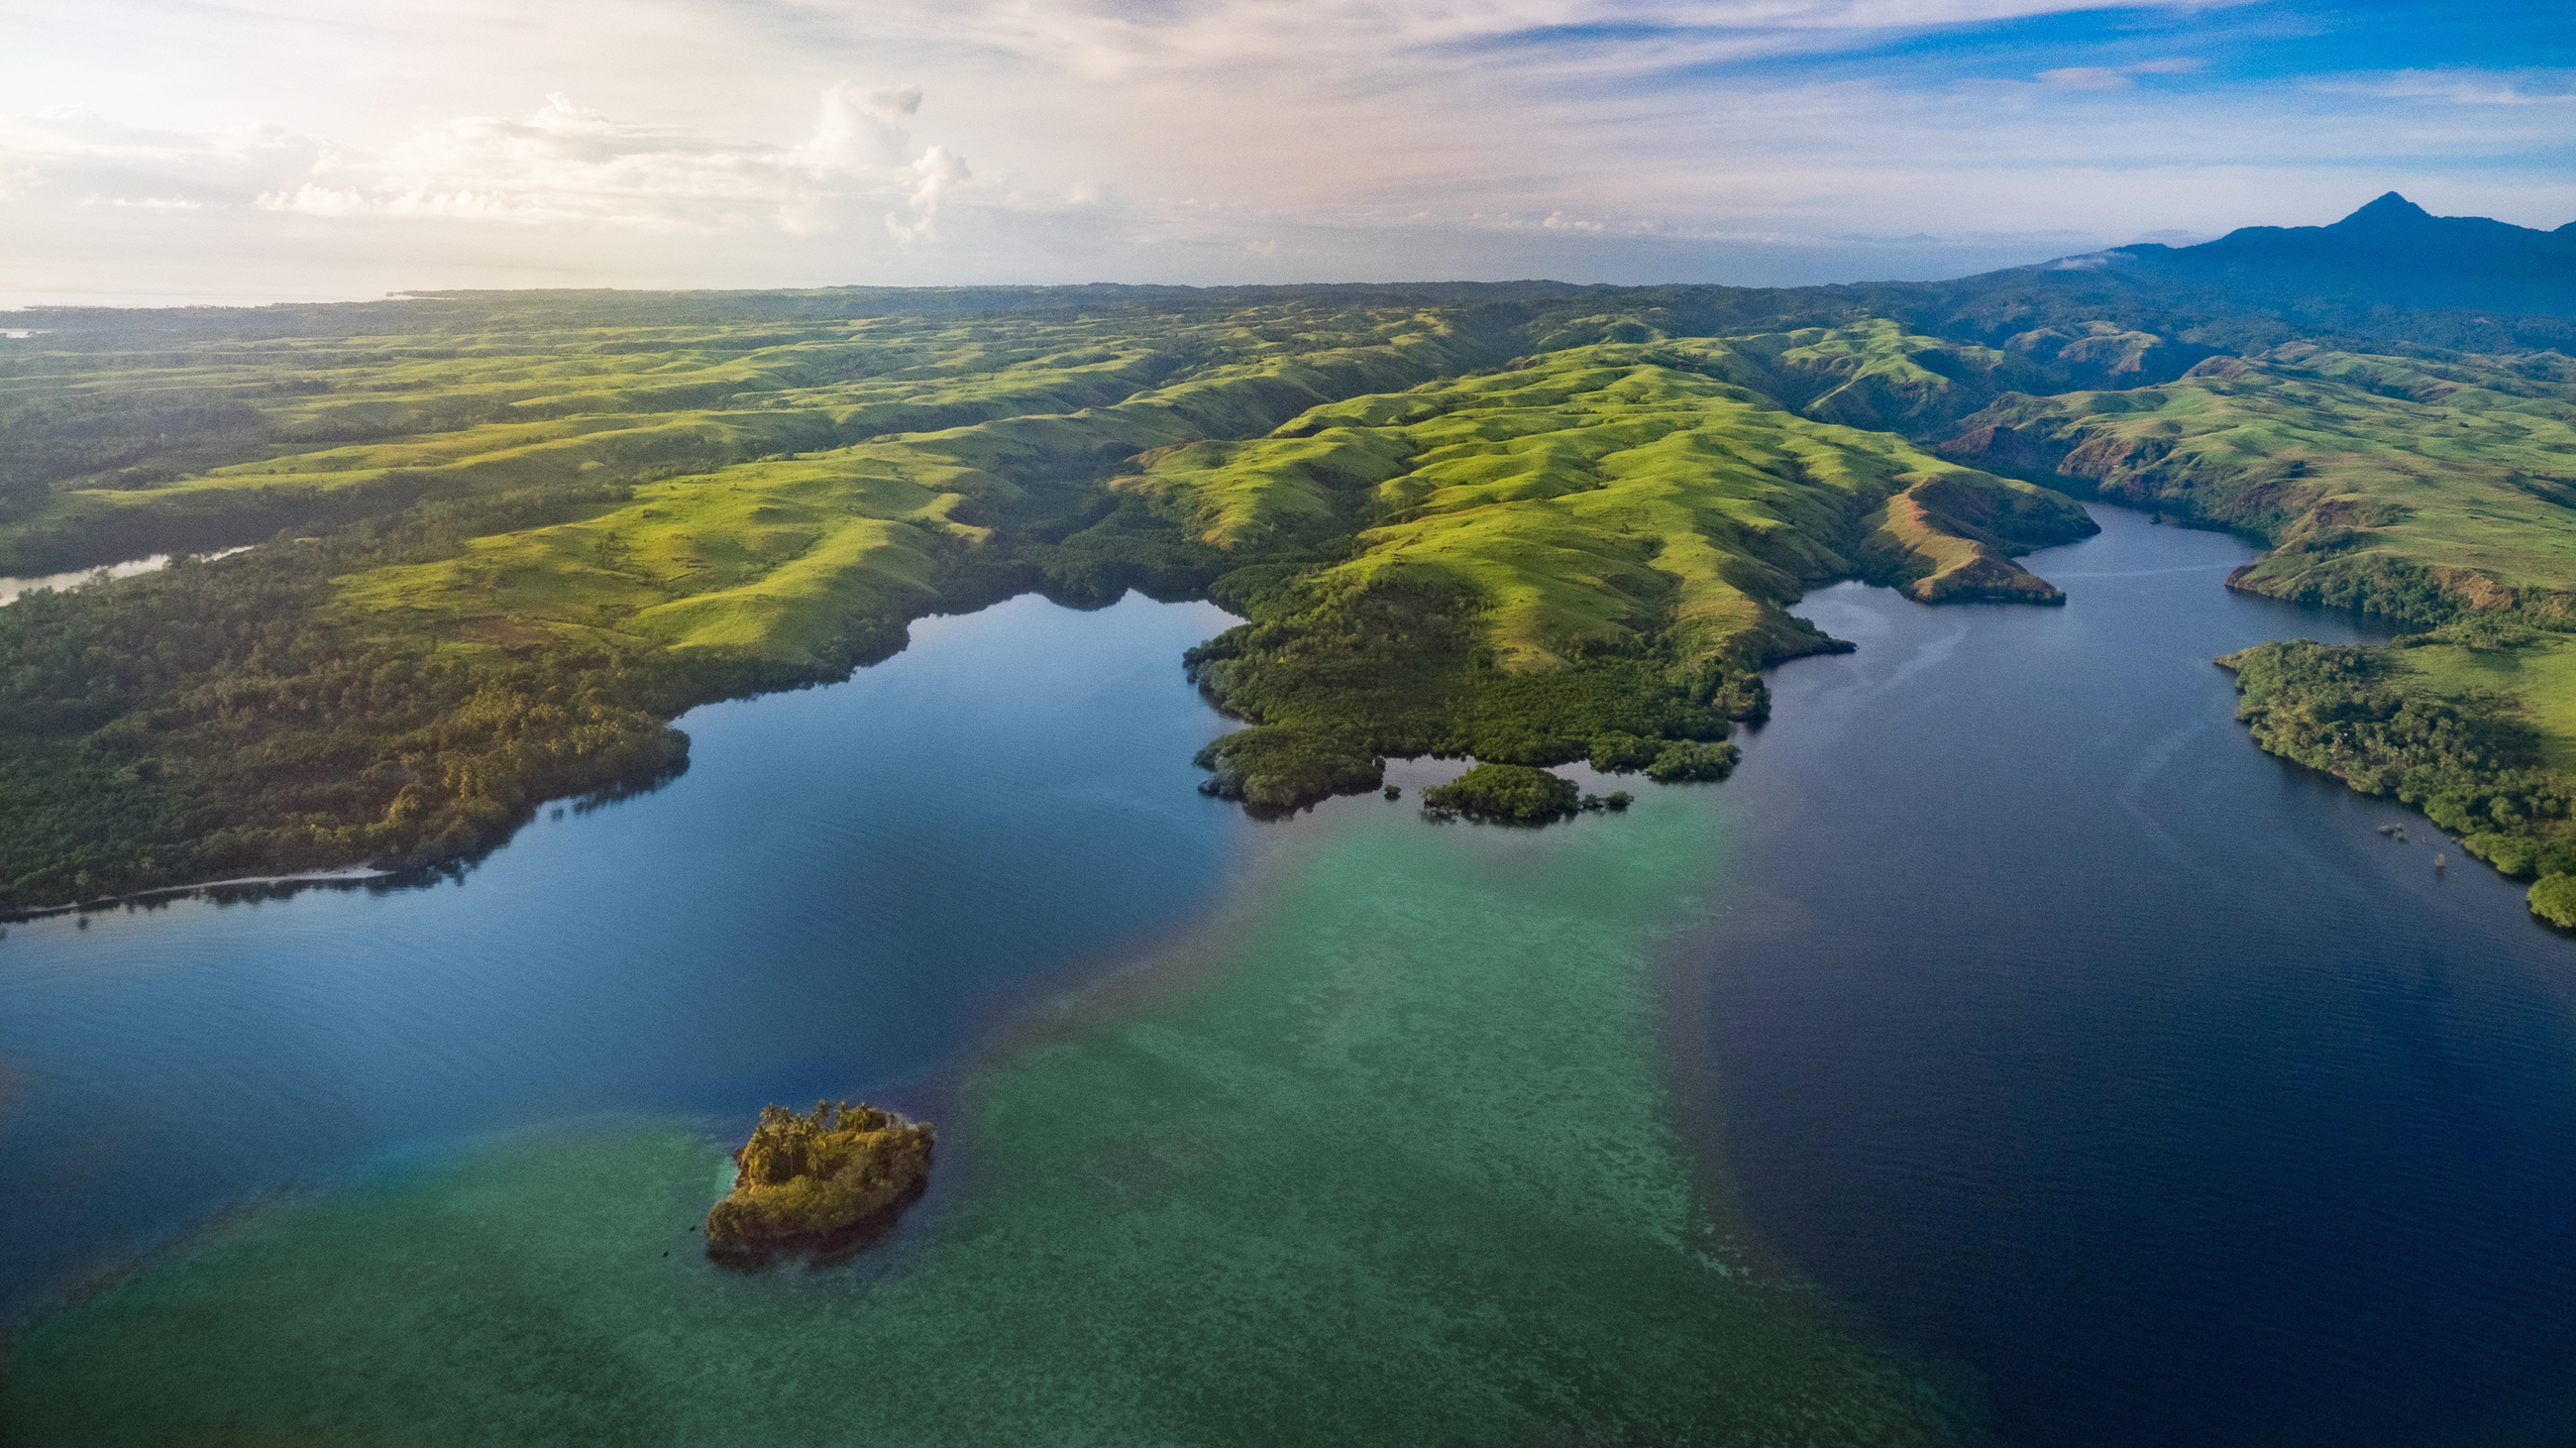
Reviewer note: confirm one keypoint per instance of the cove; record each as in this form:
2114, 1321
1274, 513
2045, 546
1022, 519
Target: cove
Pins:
843, 889
2008, 1050
1377, 1145
2065, 1034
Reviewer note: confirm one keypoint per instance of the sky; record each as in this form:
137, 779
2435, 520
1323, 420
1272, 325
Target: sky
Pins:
159, 152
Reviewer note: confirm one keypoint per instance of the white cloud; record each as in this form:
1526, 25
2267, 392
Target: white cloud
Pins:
892, 105
2113, 77
101, 161
1110, 38
937, 173
562, 163
716, 143
2462, 88
2085, 77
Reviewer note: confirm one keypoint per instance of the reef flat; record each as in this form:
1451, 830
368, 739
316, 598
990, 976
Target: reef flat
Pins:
1382, 1151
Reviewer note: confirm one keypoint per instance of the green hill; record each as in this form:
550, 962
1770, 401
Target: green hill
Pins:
1593, 548
502, 538
2438, 489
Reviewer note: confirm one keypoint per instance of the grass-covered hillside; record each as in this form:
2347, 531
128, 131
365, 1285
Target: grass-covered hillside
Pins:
2438, 489
141, 444
1588, 554
499, 540
494, 562
2418, 486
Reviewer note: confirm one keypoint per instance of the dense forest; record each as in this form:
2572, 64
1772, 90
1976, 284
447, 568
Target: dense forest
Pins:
502, 539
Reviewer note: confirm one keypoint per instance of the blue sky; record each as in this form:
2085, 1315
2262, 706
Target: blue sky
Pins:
231, 150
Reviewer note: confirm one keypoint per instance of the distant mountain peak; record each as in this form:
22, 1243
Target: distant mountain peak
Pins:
2391, 251
2389, 209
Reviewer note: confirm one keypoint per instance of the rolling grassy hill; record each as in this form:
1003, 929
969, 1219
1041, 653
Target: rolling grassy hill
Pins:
2435, 489
2418, 487
1586, 555
503, 537
449, 624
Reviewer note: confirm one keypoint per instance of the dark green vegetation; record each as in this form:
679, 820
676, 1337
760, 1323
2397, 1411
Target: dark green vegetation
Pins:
2468, 755
504, 537
807, 1178
1587, 554
2469, 760
1513, 792
516, 544
2432, 486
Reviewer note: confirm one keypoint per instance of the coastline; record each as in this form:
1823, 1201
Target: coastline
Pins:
1140, 1162
343, 875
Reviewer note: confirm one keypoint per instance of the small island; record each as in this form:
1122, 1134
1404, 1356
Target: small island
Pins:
813, 1178
1515, 794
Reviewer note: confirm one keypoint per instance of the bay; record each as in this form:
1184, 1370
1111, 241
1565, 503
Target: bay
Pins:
837, 895
2010, 1050
2060, 1031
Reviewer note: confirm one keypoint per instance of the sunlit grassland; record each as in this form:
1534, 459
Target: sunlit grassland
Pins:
1601, 494
2540, 672
756, 558
125, 452
804, 558
1590, 553
796, 447
2465, 465
445, 625
1869, 373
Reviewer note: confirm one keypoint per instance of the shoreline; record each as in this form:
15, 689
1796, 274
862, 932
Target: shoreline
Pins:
345, 874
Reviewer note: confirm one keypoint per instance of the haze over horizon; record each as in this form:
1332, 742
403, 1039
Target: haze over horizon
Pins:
160, 152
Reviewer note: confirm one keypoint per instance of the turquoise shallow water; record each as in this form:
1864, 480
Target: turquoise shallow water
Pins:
840, 893
2008, 1049
1349, 1128
1379, 1153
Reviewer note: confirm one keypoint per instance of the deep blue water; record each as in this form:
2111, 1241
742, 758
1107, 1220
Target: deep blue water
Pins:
2064, 1034
2059, 1035
844, 887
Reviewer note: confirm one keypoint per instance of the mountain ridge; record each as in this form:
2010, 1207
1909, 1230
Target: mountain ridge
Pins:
2390, 251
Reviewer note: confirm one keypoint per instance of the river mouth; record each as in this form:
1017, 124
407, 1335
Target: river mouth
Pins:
2052, 1066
